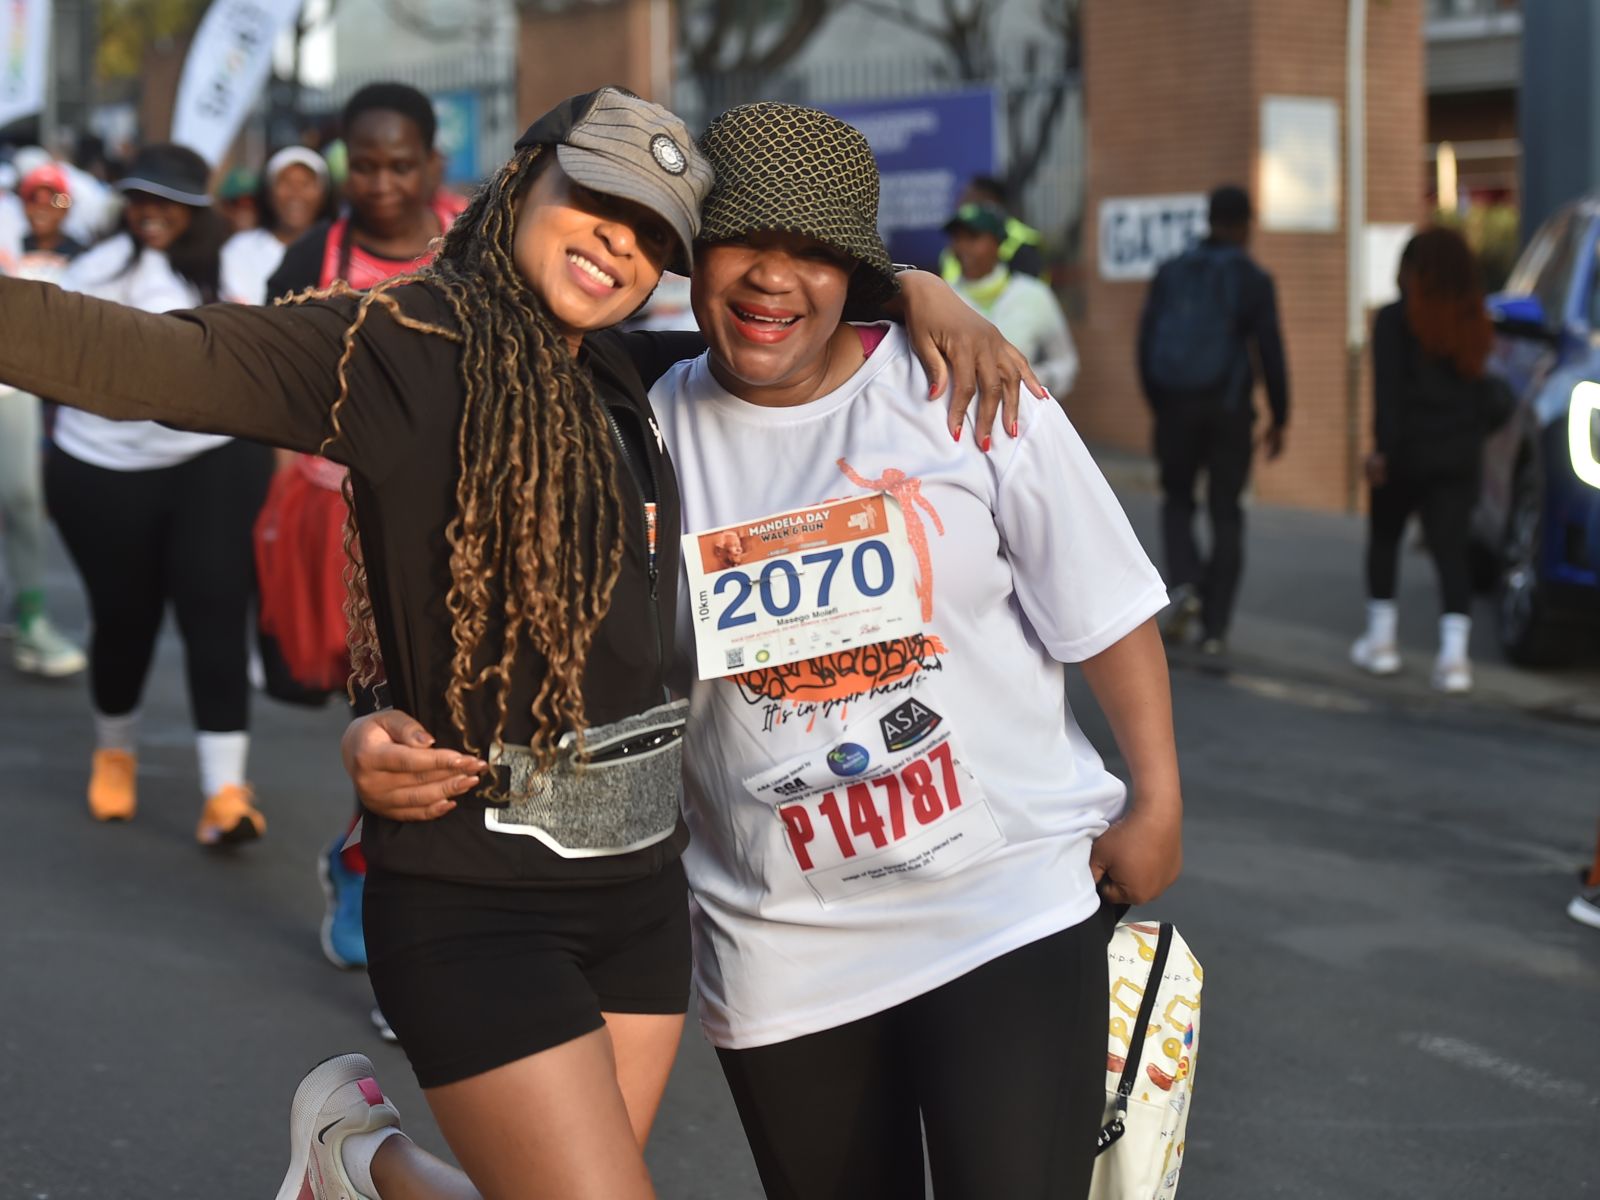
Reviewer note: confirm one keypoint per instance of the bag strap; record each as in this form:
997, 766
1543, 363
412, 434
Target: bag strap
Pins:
1130, 1069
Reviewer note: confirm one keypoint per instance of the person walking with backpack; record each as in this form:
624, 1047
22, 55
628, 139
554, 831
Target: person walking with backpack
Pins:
1433, 408
1209, 321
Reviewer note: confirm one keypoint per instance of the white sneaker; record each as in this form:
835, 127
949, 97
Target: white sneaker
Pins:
338, 1098
1452, 676
42, 650
1375, 658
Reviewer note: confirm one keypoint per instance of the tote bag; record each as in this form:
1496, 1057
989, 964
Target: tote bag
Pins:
1153, 1037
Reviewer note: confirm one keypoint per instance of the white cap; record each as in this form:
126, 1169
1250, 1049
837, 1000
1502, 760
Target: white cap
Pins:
291, 156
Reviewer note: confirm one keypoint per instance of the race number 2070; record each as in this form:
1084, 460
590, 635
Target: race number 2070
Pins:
793, 584
879, 812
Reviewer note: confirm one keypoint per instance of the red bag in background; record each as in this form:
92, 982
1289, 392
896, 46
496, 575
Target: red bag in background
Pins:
300, 566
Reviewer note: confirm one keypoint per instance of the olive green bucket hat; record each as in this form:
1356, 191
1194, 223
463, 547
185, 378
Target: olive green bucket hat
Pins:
791, 169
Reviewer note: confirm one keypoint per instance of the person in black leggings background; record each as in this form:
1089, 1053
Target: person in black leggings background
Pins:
155, 516
1433, 407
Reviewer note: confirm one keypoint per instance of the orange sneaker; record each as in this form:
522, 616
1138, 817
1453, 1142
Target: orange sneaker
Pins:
230, 816
111, 785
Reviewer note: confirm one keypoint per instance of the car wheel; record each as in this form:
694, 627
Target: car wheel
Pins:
1528, 635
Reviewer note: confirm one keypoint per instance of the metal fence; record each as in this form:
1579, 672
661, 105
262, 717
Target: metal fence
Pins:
1052, 199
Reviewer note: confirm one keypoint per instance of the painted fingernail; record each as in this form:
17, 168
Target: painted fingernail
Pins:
956, 433
1013, 427
984, 445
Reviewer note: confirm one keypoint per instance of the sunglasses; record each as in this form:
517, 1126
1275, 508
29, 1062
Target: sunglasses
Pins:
53, 199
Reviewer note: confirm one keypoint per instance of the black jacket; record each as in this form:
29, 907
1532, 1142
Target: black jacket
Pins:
269, 374
1257, 324
1427, 419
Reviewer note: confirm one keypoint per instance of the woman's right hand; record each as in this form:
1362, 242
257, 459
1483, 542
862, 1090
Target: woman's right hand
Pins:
397, 772
1377, 469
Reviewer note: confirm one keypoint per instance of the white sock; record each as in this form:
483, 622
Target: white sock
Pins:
1382, 617
1454, 630
222, 757
117, 733
357, 1153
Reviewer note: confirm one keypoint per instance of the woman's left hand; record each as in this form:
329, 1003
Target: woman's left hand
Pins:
961, 350
1140, 856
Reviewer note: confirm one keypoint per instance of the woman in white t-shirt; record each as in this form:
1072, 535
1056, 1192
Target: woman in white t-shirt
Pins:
295, 195
905, 856
156, 517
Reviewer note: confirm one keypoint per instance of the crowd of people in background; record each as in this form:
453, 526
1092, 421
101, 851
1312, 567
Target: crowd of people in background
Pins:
211, 528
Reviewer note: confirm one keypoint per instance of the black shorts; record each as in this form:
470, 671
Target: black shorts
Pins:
472, 977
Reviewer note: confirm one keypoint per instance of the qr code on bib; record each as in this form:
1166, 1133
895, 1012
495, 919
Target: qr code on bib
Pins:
735, 659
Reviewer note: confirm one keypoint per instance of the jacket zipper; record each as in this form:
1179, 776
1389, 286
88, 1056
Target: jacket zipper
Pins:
644, 517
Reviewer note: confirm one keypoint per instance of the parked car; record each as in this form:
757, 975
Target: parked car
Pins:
1537, 528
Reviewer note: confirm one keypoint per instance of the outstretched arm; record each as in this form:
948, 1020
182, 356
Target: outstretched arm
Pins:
265, 374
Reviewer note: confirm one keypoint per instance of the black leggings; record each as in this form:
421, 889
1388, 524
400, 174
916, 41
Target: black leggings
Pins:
181, 534
1192, 437
1445, 505
1005, 1067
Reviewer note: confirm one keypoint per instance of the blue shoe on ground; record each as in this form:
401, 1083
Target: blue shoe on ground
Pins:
342, 939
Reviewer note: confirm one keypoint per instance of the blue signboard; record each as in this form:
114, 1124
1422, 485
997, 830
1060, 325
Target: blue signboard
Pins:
458, 114
927, 148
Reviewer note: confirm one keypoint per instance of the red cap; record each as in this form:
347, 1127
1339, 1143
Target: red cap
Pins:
48, 176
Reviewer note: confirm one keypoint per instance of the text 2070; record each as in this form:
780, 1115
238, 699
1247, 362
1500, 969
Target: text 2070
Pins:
793, 582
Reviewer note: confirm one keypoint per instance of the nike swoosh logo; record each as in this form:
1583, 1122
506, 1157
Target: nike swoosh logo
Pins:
322, 1133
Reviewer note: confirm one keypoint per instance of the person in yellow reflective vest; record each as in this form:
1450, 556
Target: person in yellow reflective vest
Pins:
1021, 249
1022, 308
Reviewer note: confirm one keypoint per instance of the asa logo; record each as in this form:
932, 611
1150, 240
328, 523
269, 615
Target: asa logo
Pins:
848, 759
908, 725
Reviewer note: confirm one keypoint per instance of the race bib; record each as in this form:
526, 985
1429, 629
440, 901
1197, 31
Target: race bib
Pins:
801, 584
888, 803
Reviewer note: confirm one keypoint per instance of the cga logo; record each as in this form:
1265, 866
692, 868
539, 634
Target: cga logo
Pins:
847, 758
908, 725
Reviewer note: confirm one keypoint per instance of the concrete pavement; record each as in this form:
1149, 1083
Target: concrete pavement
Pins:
1396, 1005
1302, 604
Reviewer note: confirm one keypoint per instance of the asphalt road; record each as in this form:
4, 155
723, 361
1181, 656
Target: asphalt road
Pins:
1396, 1005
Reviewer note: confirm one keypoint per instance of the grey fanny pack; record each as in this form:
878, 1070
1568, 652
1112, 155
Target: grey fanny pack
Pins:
622, 795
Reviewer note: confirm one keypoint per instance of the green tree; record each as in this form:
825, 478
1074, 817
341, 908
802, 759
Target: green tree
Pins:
128, 28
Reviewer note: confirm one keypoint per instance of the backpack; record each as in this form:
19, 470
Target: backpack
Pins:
300, 564
1194, 343
1152, 1044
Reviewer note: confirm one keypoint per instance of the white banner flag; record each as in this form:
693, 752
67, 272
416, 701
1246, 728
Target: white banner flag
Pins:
24, 53
226, 68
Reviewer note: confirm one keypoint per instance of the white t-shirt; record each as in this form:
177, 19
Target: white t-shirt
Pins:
151, 285
248, 261
1024, 561
1027, 312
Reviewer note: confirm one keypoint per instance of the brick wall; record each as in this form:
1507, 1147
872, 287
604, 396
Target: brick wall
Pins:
578, 49
1173, 95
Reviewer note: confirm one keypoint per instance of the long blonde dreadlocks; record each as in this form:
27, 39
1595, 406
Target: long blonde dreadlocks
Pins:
537, 535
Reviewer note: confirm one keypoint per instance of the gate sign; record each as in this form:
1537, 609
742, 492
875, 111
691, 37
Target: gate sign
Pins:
1139, 233
927, 148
